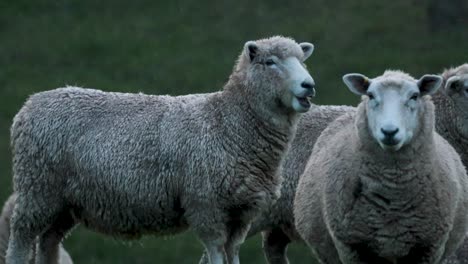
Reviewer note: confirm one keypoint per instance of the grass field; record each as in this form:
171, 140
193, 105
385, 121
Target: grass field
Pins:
179, 47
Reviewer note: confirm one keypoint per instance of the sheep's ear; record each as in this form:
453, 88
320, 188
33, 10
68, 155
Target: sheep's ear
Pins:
453, 85
307, 48
250, 50
429, 84
357, 83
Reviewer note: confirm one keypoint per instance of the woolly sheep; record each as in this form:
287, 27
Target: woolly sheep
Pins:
452, 109
133, 164
452, 123
64, 257
381, 186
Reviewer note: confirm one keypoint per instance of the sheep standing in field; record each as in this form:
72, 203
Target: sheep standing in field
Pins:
133, 164
7, 211
381, 185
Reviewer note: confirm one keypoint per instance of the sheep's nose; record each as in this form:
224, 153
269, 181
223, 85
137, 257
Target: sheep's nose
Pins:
389, 131
309, 85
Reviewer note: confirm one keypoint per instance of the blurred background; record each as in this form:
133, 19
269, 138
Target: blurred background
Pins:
180, 47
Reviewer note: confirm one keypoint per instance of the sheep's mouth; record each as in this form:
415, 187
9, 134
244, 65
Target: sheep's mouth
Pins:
390, 144
305, 101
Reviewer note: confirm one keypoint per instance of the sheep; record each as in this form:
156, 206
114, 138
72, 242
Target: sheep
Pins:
452, 123
451, 109
381, 186
64, 257
127, 165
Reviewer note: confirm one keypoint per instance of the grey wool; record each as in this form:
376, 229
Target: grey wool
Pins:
452, 109
276, 222
128, 165
367, 199
7, 211
452, 123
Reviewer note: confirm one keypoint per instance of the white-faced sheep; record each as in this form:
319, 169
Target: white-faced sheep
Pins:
381, 185
64, 257
133, 164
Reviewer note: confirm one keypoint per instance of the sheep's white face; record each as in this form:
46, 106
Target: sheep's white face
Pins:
300, 84
456, 88
394, 106
281, 75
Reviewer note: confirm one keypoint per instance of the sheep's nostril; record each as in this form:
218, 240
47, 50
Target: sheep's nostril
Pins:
307, 85
389, 131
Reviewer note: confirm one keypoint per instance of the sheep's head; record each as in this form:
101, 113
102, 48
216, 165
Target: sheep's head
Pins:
394, 104
276, 75
456, 88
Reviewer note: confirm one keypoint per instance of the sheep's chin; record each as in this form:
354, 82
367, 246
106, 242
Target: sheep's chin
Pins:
301, 105
391, 148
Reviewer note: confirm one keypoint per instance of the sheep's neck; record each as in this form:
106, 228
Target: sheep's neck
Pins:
263, 143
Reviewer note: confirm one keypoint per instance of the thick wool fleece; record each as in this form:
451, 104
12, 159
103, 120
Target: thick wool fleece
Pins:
7, 211
451, 123
452, 114
356, 203
277, 219
133, 164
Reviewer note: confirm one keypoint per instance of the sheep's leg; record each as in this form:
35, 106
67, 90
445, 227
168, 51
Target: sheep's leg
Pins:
237, 232
49, 242
24, 227
325, 250
275, 243
19, 248
204, 259
211, 230
215, 252
252, 231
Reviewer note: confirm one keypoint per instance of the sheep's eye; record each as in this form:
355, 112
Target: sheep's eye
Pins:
371, 96
414, 97
270, 62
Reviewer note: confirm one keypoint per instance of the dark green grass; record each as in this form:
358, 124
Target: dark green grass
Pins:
175, 47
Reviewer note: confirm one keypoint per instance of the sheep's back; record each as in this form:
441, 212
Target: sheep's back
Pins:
111, 149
